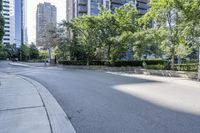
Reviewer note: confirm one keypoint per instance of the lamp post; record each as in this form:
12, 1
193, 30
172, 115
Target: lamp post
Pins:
199, 66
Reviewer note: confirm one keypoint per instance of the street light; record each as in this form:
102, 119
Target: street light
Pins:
199, 66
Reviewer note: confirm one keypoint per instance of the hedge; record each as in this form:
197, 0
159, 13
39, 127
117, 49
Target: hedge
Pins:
135, 63
186, 67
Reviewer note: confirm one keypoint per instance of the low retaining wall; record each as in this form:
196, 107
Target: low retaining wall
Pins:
169, 73
136, 70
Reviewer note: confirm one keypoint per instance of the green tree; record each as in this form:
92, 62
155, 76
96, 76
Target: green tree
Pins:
86, 28
165, 15
33, 52
115, 28
67, 48
190, 20
11, 51
3, 53
25, 52
43, 54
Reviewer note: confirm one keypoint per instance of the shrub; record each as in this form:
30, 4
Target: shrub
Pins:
186, 67
156, 67
134, 63
73, 62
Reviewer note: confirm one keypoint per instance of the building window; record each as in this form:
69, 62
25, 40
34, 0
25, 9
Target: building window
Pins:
6, 39
5, 10
7, 6
5, 14
6, 35
7, 2
7, 18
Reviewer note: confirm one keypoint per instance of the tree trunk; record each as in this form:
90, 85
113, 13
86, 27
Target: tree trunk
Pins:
173, 58
179, 62
88, 61
108, 53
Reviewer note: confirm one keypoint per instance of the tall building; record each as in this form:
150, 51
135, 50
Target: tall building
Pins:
21, 36
46, 18
9, 16
70, 4
90, 7
24, 36
141, 5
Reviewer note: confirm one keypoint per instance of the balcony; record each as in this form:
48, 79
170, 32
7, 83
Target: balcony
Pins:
120, 2
82, 9
142, 5
82, 2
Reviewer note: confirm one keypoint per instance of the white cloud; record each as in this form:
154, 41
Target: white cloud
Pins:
31, 15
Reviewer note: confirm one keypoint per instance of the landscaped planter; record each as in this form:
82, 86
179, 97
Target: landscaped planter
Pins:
137, 70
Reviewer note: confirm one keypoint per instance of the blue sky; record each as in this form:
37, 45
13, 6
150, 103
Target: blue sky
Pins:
18, 21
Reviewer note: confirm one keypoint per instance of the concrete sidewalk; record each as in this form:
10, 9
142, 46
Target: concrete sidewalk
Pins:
27, 107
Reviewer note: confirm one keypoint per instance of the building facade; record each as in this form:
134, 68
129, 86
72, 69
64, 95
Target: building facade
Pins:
70, 14
21, 36
9, 16
46, 18
141, 5
90, 7
24, 34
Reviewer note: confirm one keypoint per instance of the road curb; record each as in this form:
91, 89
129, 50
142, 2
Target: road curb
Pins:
18, 64
58, 119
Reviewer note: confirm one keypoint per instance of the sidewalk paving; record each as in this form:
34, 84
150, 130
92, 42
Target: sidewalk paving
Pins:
27, 107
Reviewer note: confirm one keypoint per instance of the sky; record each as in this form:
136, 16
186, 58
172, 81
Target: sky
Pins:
31, 15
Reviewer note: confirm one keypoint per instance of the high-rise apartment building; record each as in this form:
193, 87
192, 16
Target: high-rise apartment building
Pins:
9, 16
141, 5
90, 7
46, 18
70, 4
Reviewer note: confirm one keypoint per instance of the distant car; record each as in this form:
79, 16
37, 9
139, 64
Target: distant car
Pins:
14, 59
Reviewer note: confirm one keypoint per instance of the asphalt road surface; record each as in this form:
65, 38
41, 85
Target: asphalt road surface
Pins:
99, 102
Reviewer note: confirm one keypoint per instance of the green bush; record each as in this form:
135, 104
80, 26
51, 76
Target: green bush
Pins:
186, 67
73, 62
125, 63
156, 67
135, 63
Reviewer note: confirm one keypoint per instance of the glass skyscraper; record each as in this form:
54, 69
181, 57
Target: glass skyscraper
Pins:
21, 36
